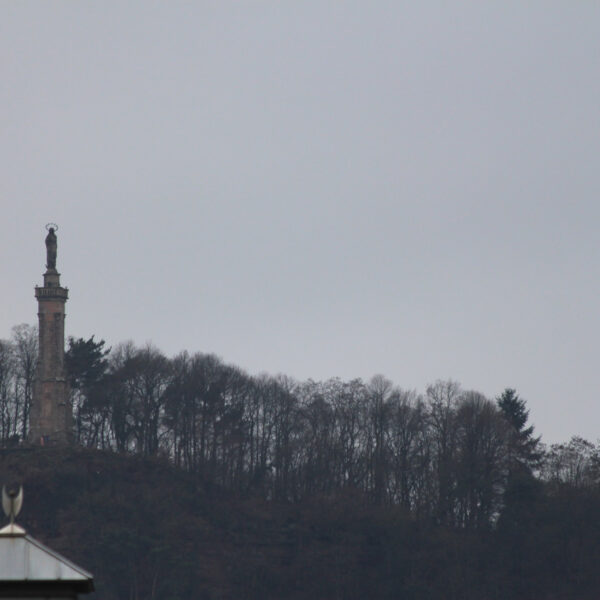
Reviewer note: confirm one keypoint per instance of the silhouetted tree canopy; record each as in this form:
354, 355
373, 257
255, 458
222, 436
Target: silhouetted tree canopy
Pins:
194, 479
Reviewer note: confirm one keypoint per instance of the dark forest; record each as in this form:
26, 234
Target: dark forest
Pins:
191, 479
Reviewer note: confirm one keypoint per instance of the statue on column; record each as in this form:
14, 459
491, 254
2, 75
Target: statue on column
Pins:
51, 247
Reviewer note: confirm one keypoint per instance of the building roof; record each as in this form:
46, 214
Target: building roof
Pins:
24, 560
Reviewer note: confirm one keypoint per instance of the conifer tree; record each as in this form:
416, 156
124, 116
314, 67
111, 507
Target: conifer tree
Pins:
524, 450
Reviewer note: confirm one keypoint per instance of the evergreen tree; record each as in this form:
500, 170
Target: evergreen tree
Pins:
86, 362
86, 366
524, 450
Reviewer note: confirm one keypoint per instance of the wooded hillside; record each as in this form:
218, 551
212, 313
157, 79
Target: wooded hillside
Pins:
147, 529
190, 478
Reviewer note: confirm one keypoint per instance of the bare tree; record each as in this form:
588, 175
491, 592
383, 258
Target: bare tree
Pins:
442, 398
409, 449
576, 463
481, 460
25, 344
7, 385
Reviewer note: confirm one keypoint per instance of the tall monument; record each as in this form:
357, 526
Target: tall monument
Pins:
51, 414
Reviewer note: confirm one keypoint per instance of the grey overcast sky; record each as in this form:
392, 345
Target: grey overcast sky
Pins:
316, 188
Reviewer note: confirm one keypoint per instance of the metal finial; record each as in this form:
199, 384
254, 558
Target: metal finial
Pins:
50, 226
12, 501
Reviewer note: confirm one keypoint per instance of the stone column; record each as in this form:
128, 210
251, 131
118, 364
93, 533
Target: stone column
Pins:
51, 414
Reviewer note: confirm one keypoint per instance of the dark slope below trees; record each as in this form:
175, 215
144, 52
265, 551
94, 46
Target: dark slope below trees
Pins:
149, 530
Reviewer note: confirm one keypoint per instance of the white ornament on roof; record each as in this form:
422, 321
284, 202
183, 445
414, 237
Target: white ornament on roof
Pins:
12, 501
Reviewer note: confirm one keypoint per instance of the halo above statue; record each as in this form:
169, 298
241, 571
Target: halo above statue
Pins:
50, 226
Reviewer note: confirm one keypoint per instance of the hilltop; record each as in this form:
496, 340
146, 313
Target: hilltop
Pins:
147, 529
